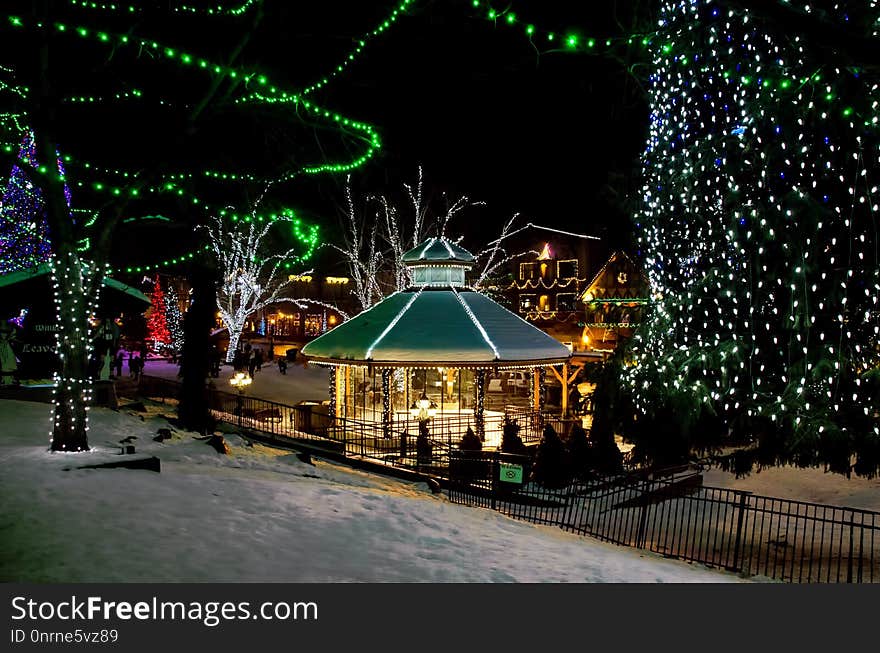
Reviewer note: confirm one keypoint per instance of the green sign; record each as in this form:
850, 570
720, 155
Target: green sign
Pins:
510, 473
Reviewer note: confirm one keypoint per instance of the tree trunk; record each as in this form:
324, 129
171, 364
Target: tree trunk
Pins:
193, 410
234, 337
73, 387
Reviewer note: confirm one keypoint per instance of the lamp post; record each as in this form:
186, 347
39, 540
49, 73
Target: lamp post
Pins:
424, 410
240, 382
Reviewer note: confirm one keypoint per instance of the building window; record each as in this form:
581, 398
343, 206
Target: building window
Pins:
313, 324
527, 271
526, 302
565, 301
567, 269
544, 303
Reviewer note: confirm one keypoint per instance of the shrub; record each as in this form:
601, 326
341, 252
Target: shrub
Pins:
552, 467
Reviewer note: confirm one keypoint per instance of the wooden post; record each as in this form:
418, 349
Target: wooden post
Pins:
536, 389
564, 400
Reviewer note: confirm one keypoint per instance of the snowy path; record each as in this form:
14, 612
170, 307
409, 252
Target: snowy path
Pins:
261, 515
300, 383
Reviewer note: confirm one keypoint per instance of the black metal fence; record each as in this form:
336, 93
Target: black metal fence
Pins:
672, 513
312, 424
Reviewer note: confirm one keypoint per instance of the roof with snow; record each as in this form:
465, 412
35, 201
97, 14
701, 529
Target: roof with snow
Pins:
448, 327
437, 250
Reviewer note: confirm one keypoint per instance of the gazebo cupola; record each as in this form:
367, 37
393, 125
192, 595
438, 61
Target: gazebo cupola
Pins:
438, 262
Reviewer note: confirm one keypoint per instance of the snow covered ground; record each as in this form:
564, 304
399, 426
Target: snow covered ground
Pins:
300, 383
811, 485
262, 515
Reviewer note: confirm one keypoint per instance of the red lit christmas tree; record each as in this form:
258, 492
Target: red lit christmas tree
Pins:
157, 325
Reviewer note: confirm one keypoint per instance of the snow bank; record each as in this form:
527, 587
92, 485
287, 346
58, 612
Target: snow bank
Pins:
262, 515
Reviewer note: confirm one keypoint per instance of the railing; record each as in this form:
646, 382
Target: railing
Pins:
312, 424
676, 516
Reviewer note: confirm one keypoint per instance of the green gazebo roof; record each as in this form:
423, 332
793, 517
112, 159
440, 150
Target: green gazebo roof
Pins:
442, 327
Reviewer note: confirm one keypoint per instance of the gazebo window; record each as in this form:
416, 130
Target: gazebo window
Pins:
438, 274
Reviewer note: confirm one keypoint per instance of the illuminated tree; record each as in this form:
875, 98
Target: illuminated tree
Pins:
252, 275
157, 325
24, 233
93, 77
758, 221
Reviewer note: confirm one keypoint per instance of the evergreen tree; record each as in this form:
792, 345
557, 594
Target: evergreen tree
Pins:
470, 441
157, 325
758, 227
24, 232
174, 318
580, 452
510, 440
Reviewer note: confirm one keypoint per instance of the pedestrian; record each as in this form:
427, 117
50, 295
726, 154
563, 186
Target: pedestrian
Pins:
216, 360
134, 366
117, 362
252, 363
258, 356
8, 362
282, 365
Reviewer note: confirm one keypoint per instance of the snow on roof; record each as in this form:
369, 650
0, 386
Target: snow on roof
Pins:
434, 326
437, 250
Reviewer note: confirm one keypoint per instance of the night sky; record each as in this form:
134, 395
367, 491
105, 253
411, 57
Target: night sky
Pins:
554, 135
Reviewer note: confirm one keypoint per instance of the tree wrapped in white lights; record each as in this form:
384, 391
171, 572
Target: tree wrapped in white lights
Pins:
758, 226
251, 278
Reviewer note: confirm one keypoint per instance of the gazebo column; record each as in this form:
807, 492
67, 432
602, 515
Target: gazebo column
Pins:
564, 400
536, 389
386, 401
334, 391
349, 393
339, 382
480, 388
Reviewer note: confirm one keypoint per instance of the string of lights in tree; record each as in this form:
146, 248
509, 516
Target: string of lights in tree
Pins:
367, 132
230, 9
574, 41
571, 40
758, 223
72, 334
362, 43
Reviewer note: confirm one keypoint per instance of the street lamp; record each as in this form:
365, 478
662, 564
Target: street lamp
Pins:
240, 382
423, 409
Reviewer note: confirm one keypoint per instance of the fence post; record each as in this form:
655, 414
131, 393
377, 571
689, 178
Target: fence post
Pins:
739, 524
495, 470
643, 517
849, 562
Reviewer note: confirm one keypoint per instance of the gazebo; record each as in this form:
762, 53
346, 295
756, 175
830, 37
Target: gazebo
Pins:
425, 352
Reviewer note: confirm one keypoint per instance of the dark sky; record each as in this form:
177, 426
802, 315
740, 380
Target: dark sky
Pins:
553, 135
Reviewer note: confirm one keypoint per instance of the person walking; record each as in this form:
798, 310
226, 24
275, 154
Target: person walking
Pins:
252, 363
117, 363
